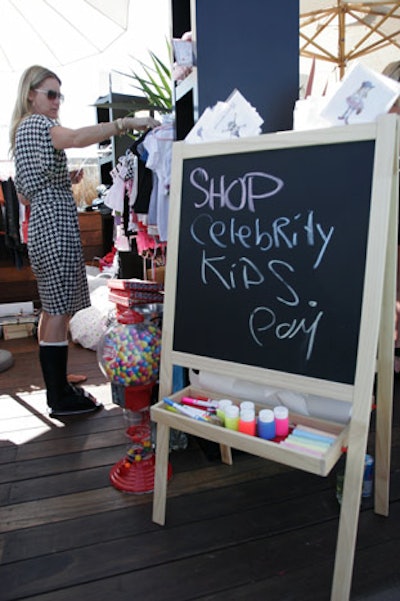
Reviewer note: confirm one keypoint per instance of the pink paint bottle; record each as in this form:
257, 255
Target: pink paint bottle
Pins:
281, 415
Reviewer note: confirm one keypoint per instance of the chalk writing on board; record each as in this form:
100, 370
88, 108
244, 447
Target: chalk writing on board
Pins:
238, 193
271, 257
224, 233
292, 232
284, 330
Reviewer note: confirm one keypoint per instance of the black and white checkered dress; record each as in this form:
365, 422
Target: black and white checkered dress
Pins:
54, 244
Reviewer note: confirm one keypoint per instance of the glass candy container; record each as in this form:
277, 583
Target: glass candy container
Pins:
129, 356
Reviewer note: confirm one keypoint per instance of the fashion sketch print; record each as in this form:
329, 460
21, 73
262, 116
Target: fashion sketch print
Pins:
233, 128
361, 97
356, 102
234, 118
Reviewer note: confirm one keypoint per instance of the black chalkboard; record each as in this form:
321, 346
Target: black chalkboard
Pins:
271, 257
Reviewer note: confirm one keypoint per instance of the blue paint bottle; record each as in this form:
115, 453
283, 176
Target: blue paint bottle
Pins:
266, 424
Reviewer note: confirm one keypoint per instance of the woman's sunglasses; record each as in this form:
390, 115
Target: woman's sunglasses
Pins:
51, 94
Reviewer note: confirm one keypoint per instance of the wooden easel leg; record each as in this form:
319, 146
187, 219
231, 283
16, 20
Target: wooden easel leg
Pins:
383, 441
385, 368
161, 474
226, 454
348, 525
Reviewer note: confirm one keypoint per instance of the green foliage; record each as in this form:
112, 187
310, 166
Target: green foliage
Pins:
155, 83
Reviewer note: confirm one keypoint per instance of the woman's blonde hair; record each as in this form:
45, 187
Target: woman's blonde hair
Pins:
30, 80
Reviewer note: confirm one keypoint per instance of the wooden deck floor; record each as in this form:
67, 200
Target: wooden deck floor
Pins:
252, 531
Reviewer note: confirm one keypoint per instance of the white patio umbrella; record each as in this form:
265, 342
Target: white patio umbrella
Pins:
55, 33
341, 32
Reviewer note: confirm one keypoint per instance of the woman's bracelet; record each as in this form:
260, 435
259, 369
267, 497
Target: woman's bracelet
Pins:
121, 128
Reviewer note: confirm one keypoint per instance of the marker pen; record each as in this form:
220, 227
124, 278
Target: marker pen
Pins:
193, 410
188, 411
209, 405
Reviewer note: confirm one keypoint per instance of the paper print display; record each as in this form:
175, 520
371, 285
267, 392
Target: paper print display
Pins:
362, 96
235, 118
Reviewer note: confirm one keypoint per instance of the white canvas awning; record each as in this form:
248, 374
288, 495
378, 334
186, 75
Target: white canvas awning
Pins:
55, 33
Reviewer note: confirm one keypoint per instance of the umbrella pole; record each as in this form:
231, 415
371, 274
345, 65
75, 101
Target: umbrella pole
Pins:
341, 38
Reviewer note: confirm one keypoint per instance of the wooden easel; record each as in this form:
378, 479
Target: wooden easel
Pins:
372, 359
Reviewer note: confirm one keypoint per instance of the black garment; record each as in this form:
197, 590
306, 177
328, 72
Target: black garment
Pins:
2, 221
12, 235
144, 180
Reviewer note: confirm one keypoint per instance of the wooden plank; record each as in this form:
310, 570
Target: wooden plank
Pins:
160, 477
206, 502
248, 540
89, 220
12, 274
31, 513
385, 366
251, 529
91, 238
60, 464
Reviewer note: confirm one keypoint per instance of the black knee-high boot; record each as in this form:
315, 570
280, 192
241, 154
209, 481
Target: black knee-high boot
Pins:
63, 398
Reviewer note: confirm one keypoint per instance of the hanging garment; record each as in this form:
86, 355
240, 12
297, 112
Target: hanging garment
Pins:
2, 212
12, 222
116, 194
158, 144
144, 177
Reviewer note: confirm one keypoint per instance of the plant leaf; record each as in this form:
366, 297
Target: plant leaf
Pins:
155, 83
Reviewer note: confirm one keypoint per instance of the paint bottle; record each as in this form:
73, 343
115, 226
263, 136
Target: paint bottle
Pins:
232, 417
222, 405
281, 421
266, 424
247, 421
247, 405
368, 476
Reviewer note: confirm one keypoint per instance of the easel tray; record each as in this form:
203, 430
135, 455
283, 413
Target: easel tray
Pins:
251, 444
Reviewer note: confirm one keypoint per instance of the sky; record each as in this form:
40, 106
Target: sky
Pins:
86, 80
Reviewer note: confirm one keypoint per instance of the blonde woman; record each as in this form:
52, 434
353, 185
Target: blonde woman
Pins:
38, 143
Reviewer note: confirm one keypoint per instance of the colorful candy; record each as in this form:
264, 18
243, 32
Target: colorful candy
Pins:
129, 354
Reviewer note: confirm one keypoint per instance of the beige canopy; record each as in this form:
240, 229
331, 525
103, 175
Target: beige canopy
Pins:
340, 31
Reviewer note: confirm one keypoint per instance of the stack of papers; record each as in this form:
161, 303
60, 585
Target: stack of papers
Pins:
235, 118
